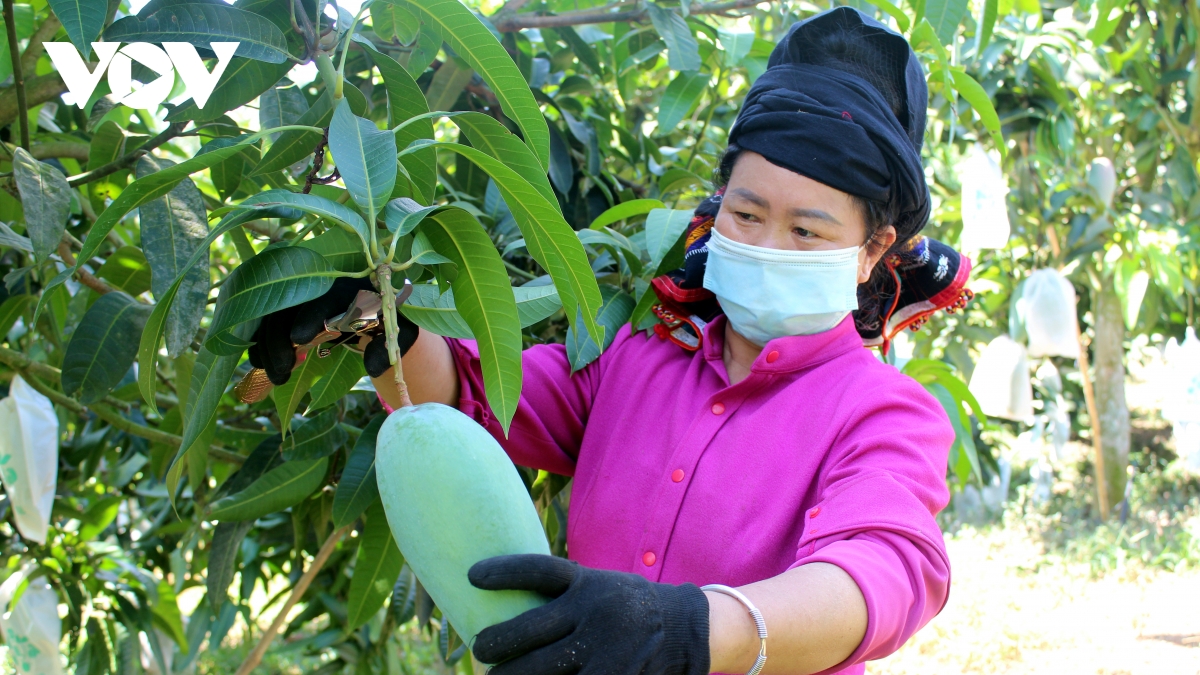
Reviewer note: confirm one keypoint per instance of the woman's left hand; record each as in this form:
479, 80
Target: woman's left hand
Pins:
598, 623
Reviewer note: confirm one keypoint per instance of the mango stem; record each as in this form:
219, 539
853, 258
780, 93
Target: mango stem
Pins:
391, 330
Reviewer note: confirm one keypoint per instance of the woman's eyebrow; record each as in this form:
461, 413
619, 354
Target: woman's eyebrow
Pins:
814, 213
750, 196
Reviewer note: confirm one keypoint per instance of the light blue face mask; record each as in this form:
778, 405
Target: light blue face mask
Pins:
768, 293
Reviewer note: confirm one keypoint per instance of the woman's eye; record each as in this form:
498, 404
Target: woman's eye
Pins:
745, 216
803, 232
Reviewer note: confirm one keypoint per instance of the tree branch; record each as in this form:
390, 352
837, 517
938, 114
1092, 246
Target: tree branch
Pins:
37, 43
85, 277
173, 129
510, 24
76, 151
38, 90
31, 371
10, 27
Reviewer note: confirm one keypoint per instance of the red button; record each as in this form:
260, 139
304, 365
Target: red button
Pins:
677, 475
772, 357
718, 408
815, 512
649, 559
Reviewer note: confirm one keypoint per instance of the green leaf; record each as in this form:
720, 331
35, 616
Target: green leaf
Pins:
227, 175
144, 190
173, 228
222, 559
436, 313
99, 355
393, 21
210, 378
474, 43
485, 300
618, 307
550, 240
357, 488
376, 569
10, 310
447, 85
278, 489
664, 227
960, 423
582, 50
83, 20
287, 396
681, 96
318, 437
406, 101
13, 240
683, 52
979, 99
945, 16
342, 249
345, 370
490, 136
676, 178
107, 144
625, 210
293, 146
167, 616
273, 280
902, 20
365, 157
342, 215
401, 216
243, 81
201, 24
128, 270
987, 24
736, 45
46, 199
281, 106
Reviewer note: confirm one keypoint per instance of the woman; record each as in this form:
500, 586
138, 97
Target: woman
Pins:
764, 450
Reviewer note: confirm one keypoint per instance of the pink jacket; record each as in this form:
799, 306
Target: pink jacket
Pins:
822, 454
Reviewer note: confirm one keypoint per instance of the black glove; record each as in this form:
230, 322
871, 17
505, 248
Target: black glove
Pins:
273, 351
599, 623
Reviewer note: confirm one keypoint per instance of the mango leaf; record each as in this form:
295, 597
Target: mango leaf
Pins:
342, 249
173, 227
345, 370
393, 21
676, 178
293, 146
342, 215
284, 486
979, 99
960, 422
625, 210
405, 101
376, 569
945, 17
485, 299
447, 84
365, 157
243, 81
357, 488
287, 396
435, 312
736, 45
473, 42
549, 239
318, 437
146, 189
683, 52
222, 559
10, 238
11, 309
281, 106
201, 24
108, 143
664, 227
490, 136
83, 20
401, 216
99, 356
273, 280
987, 25
128, 270
46, 199
618, 307
681, 96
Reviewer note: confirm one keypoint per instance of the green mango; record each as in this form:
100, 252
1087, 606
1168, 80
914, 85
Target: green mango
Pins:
453, 498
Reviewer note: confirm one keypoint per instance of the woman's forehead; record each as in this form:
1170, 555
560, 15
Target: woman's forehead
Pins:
757, 181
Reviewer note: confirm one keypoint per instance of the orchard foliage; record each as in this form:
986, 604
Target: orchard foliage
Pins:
529, 169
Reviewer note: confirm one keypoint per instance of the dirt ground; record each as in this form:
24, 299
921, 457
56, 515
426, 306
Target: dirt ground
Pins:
1011, 612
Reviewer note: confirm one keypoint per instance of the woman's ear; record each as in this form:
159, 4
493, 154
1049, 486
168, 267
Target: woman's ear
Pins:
872, 251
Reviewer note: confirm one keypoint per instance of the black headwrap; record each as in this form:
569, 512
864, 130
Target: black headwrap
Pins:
836, 127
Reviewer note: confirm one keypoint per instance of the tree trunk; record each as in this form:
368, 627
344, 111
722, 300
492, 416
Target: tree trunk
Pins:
1109, 355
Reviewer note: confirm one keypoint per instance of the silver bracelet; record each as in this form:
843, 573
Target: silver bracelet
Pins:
759, 623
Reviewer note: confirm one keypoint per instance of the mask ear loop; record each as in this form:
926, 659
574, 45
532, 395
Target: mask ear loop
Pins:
891, 263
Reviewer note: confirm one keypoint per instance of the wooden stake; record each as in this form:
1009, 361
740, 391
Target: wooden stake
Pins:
1089, 395
318, 562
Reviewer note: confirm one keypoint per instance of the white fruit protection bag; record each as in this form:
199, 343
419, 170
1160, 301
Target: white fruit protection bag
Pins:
1047, 306
32, 630
29, 457
1001, 382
